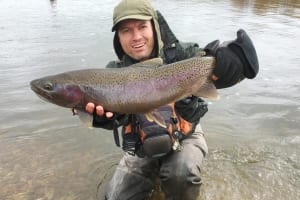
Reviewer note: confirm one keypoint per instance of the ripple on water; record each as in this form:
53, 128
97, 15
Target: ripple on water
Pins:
259, 171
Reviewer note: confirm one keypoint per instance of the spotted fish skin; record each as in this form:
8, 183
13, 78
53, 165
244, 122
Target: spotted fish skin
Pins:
139, 88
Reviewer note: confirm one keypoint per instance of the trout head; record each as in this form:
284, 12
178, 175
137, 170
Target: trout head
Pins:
58, 91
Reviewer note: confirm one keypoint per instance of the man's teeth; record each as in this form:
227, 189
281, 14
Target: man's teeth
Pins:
137, 46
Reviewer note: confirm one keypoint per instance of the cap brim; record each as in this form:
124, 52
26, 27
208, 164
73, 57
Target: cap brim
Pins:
138, 17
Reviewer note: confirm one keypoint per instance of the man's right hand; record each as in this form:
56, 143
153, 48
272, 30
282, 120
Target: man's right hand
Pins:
90, 108
106, 120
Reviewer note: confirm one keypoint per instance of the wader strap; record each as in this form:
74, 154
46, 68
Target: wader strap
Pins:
134, 124
116, 132
177, 135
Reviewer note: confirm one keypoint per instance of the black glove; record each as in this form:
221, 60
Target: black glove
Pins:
235, 60
191, 109
108, 123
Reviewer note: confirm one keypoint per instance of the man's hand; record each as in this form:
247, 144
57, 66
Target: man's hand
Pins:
229, 68
235, 60
103, 119
90, 108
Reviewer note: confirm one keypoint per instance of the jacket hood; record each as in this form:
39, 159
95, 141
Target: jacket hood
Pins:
135, 9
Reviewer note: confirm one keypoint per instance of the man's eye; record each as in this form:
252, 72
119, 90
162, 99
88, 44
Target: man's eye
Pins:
125, 30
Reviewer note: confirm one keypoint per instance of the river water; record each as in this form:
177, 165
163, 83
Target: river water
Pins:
252, 132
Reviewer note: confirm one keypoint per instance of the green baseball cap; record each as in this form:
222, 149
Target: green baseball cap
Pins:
132, 9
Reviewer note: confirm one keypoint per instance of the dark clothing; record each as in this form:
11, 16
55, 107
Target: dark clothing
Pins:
179, 171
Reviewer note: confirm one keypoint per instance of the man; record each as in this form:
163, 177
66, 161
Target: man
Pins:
171, 155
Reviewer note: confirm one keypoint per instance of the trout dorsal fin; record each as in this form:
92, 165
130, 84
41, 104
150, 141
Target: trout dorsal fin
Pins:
151, 63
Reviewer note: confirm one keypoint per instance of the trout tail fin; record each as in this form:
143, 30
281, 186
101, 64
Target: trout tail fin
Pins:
208, 90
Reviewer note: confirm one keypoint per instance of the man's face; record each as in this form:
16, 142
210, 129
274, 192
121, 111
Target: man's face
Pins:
136, 38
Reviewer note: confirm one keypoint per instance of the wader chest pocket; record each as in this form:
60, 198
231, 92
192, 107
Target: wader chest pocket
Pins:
158, 145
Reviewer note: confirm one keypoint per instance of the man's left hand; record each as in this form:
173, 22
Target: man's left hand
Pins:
235, 60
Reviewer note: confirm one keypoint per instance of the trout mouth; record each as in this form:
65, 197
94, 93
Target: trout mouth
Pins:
42, 90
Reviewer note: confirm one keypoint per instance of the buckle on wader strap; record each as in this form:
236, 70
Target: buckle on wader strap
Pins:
131, 143
177, 135
127, 146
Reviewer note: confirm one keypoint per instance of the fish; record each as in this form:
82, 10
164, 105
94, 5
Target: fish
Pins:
137, 89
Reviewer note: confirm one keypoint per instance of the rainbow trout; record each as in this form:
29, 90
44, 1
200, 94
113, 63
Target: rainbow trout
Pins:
139, 88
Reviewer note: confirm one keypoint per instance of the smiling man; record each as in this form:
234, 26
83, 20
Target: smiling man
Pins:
136, 38
172, 155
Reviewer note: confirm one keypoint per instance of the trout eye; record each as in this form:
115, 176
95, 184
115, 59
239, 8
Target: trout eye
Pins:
48, 86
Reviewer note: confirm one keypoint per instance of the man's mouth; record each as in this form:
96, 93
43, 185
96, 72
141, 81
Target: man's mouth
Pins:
137, 46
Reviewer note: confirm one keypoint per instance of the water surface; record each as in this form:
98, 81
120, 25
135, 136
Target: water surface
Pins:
252, 132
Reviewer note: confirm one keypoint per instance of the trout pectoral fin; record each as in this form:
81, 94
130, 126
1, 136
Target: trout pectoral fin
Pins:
208, 90
85, 118
154, 116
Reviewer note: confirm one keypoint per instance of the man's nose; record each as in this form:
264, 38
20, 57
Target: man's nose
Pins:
136, 34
